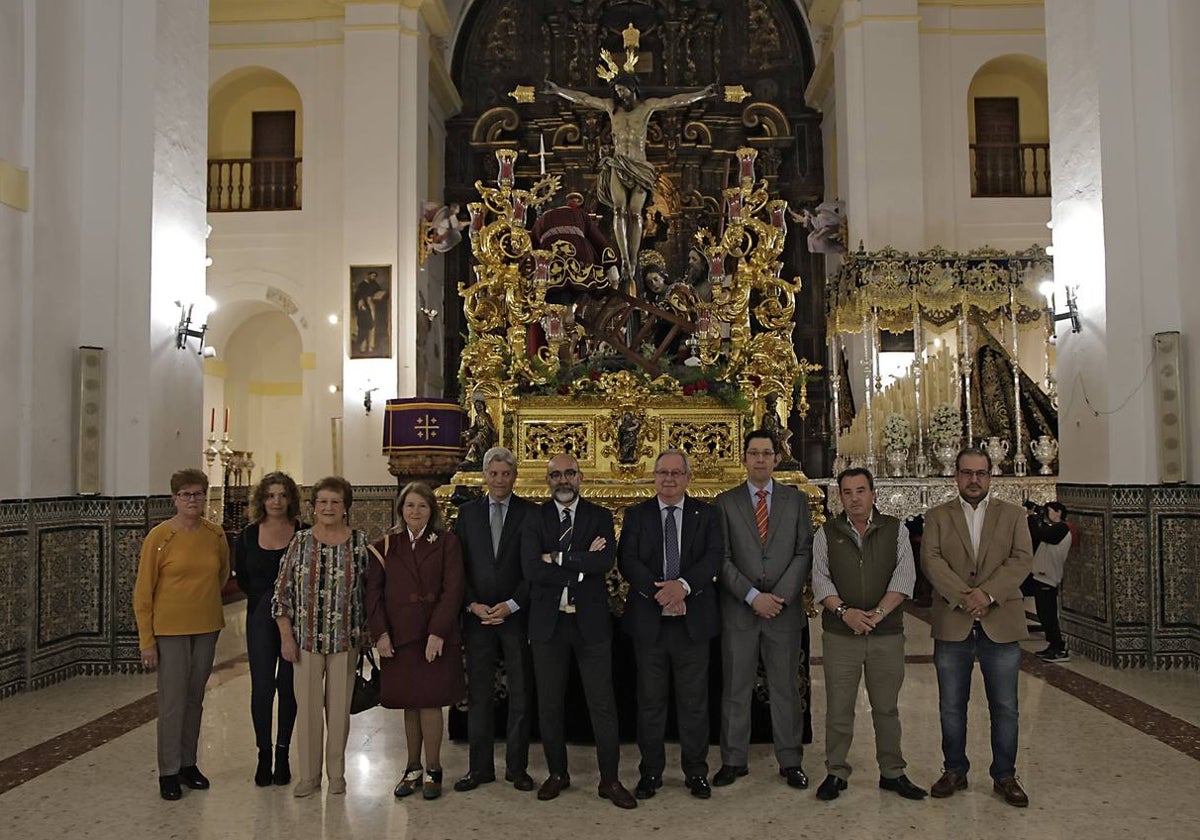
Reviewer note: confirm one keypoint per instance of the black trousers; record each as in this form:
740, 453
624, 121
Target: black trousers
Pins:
270, 674
485, 645
1045, 599
551, 665
673, 657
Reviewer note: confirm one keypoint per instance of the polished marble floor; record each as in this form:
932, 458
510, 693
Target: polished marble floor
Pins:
1104, 754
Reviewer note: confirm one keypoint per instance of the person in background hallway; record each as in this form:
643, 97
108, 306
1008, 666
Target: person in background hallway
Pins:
567, 549
768, 552
670, 552
1052, 540
976, 552
177, 604
863, 572
318, 605
414, 597
274, 520
489, 529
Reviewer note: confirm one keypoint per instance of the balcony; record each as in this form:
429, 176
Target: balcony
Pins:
1010, 170
242, 185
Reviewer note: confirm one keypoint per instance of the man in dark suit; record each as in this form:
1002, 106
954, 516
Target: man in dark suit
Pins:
768, 553
567, 549
670, 552
489, 529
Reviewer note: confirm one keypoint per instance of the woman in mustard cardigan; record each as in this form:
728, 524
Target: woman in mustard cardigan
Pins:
177, 603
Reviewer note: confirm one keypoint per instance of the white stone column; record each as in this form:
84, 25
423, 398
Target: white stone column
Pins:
1123, 128
878, 95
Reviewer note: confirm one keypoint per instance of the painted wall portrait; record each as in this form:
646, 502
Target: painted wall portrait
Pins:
370, 312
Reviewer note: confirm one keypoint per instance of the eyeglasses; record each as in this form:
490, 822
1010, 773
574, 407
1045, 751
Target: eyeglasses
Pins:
975, 473
670, 473
194, 496
559, 474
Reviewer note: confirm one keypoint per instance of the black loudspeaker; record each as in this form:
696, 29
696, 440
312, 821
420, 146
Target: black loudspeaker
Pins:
89, 416
1169, 403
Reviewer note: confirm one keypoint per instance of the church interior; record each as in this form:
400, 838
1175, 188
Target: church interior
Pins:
374, 238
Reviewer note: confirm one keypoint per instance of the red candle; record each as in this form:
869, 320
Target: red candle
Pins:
212, 421
226, 419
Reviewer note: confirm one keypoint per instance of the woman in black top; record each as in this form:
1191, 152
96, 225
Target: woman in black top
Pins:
274, 515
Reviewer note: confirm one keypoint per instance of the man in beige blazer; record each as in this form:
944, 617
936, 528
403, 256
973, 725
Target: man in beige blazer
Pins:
976, 551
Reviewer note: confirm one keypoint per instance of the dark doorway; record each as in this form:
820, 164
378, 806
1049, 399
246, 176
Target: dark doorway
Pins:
997, 146
273, 161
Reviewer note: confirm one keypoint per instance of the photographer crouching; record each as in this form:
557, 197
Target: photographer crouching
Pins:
1051, 543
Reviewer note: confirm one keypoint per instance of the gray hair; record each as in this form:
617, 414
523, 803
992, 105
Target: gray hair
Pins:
687, 464
500, 453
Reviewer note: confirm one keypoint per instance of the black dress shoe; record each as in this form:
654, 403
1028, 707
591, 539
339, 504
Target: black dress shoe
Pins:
616, 793
698, 785
795, 776
832, 787
903, 786
729, 773
555, 784
472, 780
647, 786
262, 774
520, 779
193, 778
168, 788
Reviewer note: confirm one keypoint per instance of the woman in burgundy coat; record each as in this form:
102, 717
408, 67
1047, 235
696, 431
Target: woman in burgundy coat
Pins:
415, 587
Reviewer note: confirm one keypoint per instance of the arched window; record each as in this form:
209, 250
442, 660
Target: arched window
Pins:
254, 142
1009, 126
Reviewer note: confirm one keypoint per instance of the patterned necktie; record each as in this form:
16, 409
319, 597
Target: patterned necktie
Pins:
497, 526
671, 546
760, 516
564, 535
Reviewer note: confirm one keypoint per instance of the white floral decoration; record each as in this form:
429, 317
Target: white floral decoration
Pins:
432, 536
897, 434
945, 427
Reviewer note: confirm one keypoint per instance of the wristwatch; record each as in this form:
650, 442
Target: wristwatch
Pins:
841, 609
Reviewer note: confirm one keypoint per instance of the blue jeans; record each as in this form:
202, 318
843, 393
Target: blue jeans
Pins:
1000, 664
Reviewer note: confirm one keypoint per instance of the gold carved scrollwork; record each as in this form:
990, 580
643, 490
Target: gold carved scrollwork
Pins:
706, 443
542, 441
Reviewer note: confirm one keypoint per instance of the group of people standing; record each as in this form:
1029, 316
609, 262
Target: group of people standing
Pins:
526, 584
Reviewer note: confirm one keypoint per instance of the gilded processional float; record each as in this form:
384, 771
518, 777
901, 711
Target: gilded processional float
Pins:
576, 346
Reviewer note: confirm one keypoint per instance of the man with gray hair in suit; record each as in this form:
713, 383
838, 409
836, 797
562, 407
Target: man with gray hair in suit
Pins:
768, 553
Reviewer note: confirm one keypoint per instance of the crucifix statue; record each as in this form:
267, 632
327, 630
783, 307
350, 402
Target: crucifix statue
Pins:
626, 178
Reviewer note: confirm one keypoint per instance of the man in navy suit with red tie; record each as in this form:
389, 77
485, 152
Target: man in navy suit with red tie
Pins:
671, 550
567, 549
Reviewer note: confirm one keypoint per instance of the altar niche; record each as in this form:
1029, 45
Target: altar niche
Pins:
760, 45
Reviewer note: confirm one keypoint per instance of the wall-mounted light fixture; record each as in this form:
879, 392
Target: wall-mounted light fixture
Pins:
429, 313
192, 324
367, 398
1072, 313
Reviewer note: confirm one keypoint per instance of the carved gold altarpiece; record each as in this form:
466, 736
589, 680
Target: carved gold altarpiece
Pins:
573, 394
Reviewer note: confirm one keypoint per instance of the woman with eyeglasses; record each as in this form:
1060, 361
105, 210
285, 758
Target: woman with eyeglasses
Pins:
274, 520
177, 604
318, 605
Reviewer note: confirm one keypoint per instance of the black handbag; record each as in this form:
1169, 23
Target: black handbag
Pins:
366, 688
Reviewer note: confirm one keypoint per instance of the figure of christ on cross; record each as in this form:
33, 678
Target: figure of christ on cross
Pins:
626, 177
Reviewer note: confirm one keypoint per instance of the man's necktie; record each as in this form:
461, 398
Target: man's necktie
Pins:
497, 526
760, 516
564, 534
671, 546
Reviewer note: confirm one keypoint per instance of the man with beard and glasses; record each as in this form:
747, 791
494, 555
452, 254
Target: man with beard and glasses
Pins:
626, 178
976, 552
567, 549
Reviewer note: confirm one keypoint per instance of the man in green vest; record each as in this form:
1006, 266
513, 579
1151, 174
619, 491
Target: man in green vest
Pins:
863, 571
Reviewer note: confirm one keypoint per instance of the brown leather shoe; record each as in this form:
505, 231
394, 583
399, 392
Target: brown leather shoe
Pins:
1011, 790
555, 784
616, 793
948, 784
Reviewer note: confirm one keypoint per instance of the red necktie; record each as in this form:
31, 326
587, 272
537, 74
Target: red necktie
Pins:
760, 516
